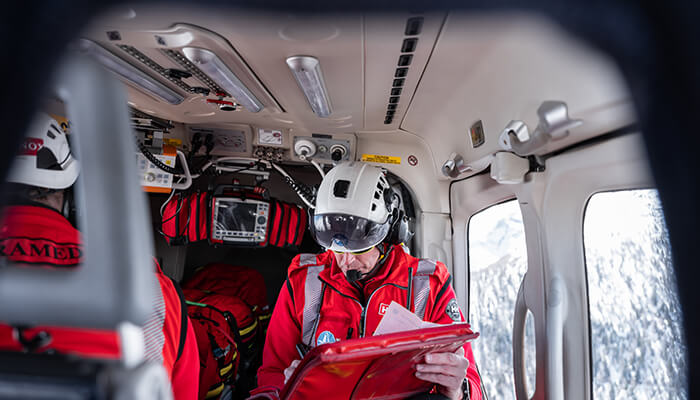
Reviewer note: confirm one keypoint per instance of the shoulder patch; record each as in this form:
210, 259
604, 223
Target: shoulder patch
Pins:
325, 337
452, 310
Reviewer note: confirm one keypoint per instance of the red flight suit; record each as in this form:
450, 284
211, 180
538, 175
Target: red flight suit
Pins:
35, 234
347, 312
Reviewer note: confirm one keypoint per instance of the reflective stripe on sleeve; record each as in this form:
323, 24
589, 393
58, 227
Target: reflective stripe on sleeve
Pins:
421, 286
154, 338
312, 297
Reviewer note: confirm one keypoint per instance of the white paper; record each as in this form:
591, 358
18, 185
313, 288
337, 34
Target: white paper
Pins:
399, 319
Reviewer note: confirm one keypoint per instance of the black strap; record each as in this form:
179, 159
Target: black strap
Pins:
291, 296
195, 206
410, 288
183, 319
298, 211
281, 225
227, 316
443, 289
289, 289
178, 209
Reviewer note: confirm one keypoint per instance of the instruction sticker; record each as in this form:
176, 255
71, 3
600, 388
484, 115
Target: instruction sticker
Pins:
381, 159
172, 142
477, 134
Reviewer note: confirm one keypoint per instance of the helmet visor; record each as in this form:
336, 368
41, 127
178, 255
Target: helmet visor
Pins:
348, 233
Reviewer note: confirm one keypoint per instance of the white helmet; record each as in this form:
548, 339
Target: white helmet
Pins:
45, 159
354, 208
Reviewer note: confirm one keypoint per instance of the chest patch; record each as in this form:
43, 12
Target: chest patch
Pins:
452, 310
325, 337
382, 308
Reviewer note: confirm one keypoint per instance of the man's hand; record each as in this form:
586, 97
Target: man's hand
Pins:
290, 370
447, 370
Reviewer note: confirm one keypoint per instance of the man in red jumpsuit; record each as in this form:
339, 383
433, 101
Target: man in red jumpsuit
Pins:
343, 293
35, 231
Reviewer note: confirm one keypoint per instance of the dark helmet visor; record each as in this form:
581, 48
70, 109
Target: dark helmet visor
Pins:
348, 233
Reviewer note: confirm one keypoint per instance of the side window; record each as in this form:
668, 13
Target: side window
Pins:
637, 342
497, 264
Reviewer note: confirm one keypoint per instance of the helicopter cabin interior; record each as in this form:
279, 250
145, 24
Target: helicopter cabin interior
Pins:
513, 146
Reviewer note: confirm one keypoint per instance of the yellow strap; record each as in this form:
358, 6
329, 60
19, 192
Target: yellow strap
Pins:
266, 316
247, 330
216, 391
225, 370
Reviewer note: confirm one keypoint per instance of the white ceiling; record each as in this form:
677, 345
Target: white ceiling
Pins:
494, 68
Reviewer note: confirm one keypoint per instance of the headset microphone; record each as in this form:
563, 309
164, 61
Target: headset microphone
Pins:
354, 275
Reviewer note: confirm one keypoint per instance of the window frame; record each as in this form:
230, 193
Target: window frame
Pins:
587, 280
552, 204
502, 202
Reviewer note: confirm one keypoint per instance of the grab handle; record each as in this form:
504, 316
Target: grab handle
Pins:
556, 313
519, 317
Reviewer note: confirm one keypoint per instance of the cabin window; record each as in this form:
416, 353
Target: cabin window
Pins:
637, 343
497, 264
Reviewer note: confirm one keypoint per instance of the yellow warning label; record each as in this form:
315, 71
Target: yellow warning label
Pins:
381, 159
172, 142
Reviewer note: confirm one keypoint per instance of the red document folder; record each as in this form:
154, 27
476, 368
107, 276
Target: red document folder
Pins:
376, 367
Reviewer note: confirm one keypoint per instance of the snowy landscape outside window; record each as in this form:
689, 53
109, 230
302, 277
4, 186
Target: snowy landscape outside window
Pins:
497, 264
637, 341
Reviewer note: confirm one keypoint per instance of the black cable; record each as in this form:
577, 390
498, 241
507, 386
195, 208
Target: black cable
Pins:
146, 153
301, 189
235, 171
198, 170
176, 214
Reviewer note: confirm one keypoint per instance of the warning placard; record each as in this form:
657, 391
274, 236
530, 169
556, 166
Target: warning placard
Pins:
376, 158
172, 142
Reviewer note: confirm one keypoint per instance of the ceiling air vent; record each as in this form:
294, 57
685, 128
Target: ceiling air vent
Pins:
414, 26
409, 45
405, 60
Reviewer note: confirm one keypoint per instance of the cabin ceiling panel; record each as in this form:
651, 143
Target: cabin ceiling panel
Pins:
387, 39
262, 43
501, 68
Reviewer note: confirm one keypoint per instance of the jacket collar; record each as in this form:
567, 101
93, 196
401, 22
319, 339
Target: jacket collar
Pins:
389, 272
34, 210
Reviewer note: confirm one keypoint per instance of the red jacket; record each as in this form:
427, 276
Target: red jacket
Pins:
40, 235
346, 312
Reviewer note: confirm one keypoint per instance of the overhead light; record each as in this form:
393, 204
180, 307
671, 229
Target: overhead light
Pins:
129, 72
212, 65
307, 72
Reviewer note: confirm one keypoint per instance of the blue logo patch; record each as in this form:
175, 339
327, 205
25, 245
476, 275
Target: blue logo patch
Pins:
325, 337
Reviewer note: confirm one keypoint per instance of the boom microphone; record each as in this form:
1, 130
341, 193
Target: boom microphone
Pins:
354, 275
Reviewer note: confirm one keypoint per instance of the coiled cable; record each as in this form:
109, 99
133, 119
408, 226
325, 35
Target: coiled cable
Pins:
147, 153
304, 192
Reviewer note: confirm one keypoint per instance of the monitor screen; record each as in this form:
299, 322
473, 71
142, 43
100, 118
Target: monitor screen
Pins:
235, 220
